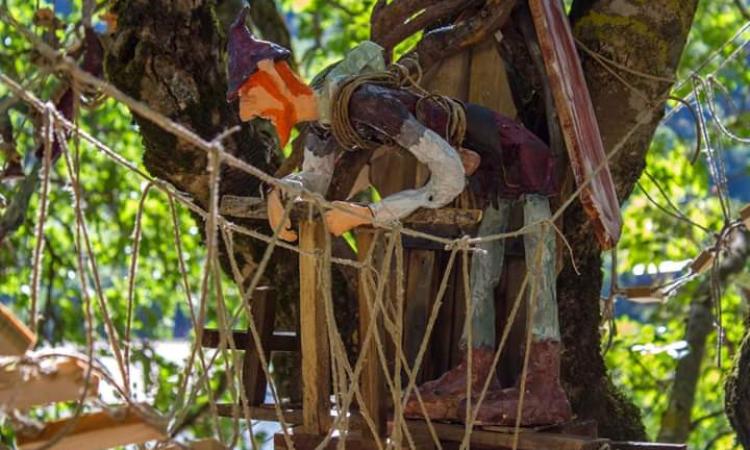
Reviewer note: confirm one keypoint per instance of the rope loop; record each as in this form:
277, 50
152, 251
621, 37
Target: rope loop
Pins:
397, 76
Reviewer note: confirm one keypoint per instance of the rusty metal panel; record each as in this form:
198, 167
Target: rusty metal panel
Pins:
577, 120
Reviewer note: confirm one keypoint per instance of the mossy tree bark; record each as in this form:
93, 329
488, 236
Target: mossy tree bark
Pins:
648, 37
169, 54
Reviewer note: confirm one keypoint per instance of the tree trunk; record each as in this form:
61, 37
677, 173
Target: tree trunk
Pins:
647, 37
675, 424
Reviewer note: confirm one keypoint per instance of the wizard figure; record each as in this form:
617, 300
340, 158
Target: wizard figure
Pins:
504, 163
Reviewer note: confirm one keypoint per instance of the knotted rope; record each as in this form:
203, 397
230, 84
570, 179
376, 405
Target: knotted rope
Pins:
398, 76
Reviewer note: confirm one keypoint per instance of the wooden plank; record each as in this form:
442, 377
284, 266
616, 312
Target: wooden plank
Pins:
418, 301
646, 446
24, 386
527, 439
703, 261
489, 85
316, 381
253, 376
307, 441
266, 412
203, 444
15, 337
371, 380
577, 119
96, 431
280, 341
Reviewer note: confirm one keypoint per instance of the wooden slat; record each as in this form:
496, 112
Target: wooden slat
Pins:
96, 431
703, 261
646, 446
745, 216
316, 381
280, 341
22, 387
308, 441
371, 379
253, 376
577, 120
15, 337
267, 412
527, 440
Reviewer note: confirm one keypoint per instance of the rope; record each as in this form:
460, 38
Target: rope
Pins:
397, 76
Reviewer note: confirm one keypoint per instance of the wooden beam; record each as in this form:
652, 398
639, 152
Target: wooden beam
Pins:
23, 386
280, 341
446, 222
266, 412
253, 376
647, 446
96, 431
527, 439
371, 380
308, 441
577, 120
15, 337
316, 376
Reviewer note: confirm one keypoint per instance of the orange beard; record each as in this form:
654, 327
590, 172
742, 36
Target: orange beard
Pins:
274, 95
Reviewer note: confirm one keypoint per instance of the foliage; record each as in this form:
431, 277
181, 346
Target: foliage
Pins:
641, 359
644, 354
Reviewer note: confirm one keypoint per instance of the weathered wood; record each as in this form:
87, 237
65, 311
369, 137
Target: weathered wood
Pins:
24, 386
371, 381
703, 261
488, 85
96, 431
316, 381
577, 119
646, 446
266, 412
745, 216
15, 337
307, 441
253, 376
280, 341
527, 439
203, 444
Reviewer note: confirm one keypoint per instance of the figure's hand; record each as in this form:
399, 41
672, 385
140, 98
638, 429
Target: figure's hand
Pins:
470, 160
276, 215
347, 216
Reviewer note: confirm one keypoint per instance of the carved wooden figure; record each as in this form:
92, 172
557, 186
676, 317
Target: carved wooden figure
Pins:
351, 106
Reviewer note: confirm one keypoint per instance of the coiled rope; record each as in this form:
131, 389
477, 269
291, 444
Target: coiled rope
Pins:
398, 76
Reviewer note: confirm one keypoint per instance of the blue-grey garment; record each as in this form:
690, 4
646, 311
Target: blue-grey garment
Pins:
487, 267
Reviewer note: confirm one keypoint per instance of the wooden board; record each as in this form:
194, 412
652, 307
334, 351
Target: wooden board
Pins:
307, 441
96, 431
527, 439
15, 337
22, 387
578, 120
316, 377
280, 341
371, 380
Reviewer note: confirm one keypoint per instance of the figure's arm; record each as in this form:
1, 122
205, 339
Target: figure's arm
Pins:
447, 175
315, 176
386, 114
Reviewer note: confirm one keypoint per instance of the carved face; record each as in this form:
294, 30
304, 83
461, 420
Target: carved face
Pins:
277, 94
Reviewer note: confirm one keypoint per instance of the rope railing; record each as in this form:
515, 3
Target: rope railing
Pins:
374, 269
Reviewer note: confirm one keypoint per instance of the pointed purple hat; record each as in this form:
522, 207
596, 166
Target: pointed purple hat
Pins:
245, 52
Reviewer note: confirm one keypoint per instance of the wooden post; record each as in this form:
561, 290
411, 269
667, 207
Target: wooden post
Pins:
264, 313
316, 381
371, 380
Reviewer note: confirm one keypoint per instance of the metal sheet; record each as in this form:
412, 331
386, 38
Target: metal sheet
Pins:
577, 120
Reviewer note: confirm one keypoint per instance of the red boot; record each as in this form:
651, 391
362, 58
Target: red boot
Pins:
545, 401
441, 397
